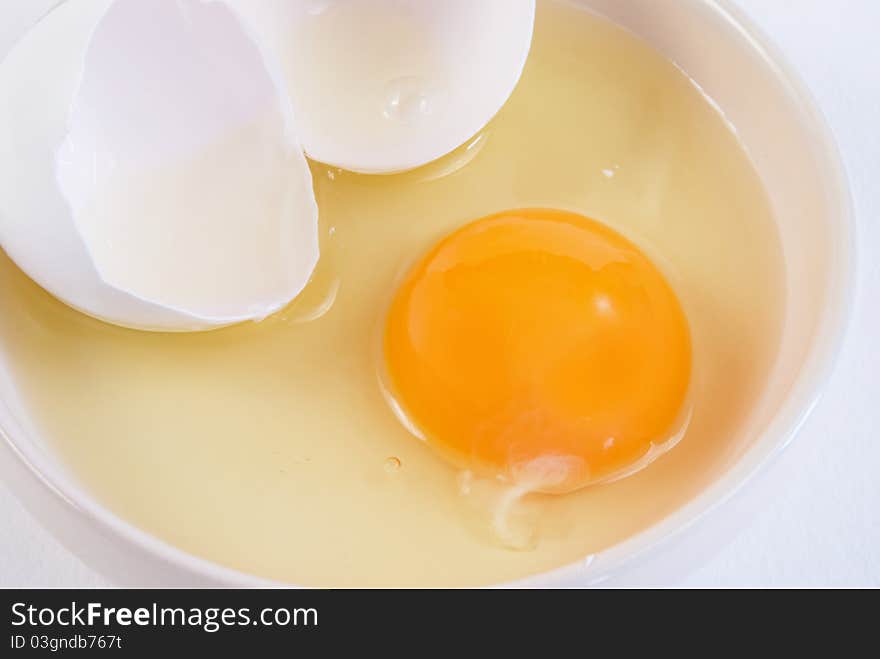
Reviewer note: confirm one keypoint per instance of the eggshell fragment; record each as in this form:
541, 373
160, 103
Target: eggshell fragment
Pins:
380, 86
149, 170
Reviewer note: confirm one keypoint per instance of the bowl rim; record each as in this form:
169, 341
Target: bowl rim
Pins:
775, 437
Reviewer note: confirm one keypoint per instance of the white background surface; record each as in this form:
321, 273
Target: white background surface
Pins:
822, 526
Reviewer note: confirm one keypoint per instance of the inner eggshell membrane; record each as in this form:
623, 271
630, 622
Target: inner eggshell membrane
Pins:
181, 168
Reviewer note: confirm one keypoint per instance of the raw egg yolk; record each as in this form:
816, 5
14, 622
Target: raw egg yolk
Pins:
541, 348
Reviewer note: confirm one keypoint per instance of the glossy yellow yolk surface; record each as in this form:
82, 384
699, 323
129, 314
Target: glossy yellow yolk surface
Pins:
541, 347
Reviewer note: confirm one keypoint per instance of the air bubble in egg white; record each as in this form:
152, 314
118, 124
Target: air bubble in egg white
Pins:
392, 465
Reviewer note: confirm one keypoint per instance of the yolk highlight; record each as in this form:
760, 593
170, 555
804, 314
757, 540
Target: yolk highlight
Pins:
540, 347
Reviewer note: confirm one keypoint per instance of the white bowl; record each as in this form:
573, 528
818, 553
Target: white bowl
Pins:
797, 160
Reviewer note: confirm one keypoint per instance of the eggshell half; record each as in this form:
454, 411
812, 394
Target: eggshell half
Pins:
150, 173
380, 86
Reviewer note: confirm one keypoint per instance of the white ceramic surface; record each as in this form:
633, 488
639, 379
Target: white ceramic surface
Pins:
799, 165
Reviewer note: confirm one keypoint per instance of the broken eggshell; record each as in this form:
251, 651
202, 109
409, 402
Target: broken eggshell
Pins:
150, 174
383, 86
